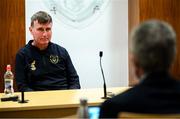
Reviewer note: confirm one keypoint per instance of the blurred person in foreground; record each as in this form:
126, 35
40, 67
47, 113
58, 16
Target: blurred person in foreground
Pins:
43, 65
153, 51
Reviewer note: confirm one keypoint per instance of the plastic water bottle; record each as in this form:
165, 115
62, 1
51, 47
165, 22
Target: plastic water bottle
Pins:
83, 109
8, 81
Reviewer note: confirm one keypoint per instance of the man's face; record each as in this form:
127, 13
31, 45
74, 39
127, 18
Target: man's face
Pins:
41, 33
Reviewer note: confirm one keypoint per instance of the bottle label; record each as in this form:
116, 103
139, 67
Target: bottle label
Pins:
8, 86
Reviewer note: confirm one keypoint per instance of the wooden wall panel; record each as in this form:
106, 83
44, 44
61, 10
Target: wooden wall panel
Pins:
12, 33
133, 20
133, 14
166, 10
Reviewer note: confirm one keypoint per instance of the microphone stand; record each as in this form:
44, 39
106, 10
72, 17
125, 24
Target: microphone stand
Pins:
104, 86
22, 98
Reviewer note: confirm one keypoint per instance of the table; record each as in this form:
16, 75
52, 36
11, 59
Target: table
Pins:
54, 104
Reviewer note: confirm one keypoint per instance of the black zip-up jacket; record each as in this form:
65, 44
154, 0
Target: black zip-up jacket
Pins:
49, 69
157, 93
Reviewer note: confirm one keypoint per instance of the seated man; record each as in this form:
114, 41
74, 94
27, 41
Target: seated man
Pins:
41, 64
153, 51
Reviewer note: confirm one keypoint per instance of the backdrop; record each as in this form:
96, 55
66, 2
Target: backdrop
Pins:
105, 30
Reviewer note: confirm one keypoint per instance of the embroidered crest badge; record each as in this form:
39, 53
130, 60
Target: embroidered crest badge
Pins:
54, 59
76, 13
33, 68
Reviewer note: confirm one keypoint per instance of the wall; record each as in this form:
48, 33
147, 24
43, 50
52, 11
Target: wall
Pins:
133, 20
109, 33
12, 33
166, 10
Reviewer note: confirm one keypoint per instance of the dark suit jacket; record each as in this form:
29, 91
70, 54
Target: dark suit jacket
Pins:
158, 92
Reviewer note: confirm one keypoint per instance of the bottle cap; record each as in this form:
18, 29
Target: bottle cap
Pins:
8, 67
83, 101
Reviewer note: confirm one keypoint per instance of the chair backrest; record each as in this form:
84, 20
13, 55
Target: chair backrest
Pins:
129, 115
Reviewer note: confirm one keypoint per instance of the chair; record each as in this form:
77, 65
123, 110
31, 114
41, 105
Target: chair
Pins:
129, 115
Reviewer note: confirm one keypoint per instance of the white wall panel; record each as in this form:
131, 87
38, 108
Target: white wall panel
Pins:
108, 33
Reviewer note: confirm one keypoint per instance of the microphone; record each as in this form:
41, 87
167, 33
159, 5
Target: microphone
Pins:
104, 86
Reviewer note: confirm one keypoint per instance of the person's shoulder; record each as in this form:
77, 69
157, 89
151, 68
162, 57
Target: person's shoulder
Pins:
112, 106
57, 46
126, 97
118, 103
175, 83
23, 50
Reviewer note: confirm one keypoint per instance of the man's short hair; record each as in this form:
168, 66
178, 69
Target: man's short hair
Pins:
154, 45
42, 18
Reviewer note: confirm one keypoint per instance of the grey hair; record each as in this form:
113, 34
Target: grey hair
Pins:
42, 18
154, 45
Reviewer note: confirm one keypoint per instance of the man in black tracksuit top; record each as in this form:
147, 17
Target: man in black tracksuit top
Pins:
153, 50
41, 64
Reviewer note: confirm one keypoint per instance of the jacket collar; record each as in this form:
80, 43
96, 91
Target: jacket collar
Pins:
37, 49
156, 78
